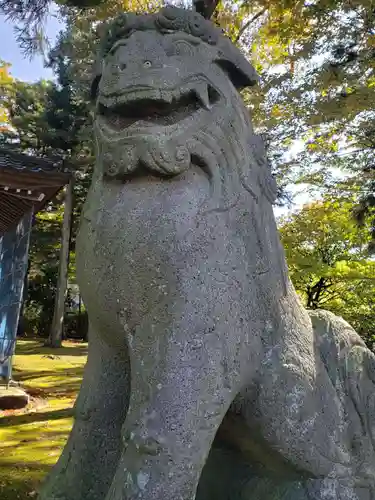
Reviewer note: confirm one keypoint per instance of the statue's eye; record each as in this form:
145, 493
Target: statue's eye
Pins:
182, 48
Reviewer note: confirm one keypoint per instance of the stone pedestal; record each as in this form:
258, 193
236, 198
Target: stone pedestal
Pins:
13, 398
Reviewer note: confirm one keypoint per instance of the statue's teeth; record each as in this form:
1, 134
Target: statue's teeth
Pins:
175, 94
201, 90
167, 96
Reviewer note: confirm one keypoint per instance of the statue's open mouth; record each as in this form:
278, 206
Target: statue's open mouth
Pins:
151, 107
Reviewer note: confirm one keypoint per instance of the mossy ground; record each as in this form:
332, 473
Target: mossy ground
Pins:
32, 439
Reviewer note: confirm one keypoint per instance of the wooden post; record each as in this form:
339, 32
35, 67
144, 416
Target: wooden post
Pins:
55, 336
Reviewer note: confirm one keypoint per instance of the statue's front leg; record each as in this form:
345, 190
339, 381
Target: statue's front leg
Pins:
181, 391
88, 462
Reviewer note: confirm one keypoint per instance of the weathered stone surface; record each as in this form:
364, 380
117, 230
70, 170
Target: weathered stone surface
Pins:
199, 346
13, 398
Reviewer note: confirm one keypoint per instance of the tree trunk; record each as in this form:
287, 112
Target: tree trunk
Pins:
55, 336
314, 294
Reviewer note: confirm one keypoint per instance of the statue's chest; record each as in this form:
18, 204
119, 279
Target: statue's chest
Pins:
131, 241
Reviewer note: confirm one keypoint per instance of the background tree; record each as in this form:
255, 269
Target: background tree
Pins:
6, 81
66, 115
43, 270
25, 105
45, 119
329, 262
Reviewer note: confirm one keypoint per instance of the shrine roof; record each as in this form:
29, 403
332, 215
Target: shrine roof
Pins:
27, 183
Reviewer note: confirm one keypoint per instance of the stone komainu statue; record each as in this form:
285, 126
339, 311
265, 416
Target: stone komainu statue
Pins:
206, 378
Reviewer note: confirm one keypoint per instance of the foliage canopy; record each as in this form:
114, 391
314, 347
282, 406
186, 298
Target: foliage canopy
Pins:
329, 263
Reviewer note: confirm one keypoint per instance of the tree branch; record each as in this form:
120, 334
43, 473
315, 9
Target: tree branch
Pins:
249, 22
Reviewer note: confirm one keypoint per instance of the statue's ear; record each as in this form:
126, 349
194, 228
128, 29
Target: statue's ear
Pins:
101, 34
237, 67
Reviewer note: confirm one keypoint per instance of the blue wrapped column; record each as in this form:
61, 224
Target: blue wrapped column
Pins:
14, 247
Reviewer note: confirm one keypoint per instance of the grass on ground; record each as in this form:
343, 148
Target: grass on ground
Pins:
32, 439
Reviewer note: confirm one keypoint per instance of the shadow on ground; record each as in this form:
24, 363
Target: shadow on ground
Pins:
36, 417
20, 481
28, 346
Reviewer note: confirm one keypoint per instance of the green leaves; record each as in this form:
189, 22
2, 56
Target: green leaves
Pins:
328, 260
6, 82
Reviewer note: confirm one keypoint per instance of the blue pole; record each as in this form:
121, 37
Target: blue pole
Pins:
14, 248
